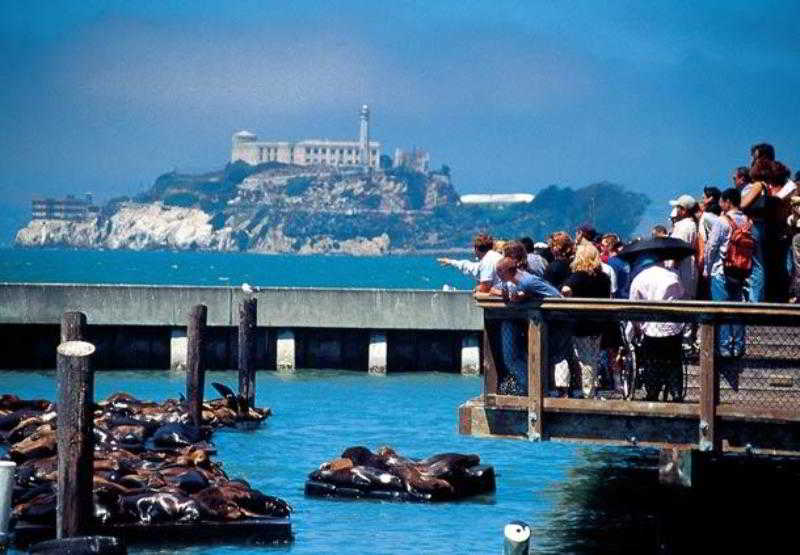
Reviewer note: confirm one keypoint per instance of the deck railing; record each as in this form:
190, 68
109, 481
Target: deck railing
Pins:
760, 386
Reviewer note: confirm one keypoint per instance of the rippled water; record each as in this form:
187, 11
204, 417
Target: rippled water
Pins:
317, 414
215, 268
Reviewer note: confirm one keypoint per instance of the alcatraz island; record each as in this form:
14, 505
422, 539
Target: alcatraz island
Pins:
321, 196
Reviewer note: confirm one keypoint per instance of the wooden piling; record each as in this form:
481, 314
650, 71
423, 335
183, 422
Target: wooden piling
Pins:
708, 437
196, 363
537, 376
247, 350
75, 438
72, 326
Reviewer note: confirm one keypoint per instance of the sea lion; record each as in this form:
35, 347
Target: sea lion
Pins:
41, 443
177, 435
337, 464
361, 456
379, 479
41, 509
155, 506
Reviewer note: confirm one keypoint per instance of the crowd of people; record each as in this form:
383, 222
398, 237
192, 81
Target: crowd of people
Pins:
741, 244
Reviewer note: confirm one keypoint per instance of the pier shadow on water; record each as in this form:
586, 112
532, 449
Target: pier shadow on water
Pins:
614, 503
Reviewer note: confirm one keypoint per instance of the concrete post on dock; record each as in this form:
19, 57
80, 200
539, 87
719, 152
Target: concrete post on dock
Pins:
376, 362
285, 351
178, 347
470, 355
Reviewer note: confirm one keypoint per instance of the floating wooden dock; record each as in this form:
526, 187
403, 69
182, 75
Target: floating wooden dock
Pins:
751, 403
262, 531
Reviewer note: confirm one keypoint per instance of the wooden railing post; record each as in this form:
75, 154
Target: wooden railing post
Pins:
489, 364
537, 374
708, 438
196, 363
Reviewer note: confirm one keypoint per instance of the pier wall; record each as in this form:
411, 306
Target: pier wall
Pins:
141, 326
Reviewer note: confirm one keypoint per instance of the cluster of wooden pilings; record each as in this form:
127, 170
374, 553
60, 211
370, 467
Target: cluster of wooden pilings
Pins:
75, 401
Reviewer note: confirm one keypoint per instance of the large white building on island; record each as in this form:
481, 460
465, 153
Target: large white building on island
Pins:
362, 152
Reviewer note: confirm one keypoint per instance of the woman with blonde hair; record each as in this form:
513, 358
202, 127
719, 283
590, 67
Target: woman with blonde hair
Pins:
587, 280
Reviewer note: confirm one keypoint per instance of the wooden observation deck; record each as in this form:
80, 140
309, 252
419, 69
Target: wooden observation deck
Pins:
748, 403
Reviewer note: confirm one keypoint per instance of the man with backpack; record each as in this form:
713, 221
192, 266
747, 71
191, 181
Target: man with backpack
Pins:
728, 263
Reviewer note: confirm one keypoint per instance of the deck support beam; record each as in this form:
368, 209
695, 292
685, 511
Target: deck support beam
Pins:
285, 351
376, 362
470, 355
178, 349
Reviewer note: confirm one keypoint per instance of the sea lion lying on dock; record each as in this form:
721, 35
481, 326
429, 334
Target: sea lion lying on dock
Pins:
149, 464
360, 472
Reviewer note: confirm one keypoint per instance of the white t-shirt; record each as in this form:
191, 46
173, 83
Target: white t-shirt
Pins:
657, 283
686, 229
487, 266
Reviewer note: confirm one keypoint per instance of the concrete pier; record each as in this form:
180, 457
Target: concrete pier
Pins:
144, 327
377, 353
285, 351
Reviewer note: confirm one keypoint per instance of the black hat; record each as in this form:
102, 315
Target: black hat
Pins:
665, 248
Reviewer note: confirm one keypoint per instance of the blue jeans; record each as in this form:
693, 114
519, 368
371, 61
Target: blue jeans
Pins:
755, 284
514, 352
730, 337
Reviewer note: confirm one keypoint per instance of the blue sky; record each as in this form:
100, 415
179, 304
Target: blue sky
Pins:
663, 97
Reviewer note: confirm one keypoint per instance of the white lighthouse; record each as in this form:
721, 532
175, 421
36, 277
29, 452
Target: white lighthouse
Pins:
363, 138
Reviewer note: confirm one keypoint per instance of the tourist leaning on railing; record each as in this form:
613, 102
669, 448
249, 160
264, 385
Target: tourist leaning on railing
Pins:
521, 287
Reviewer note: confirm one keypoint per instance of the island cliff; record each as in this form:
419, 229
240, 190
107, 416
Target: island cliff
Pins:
281, 208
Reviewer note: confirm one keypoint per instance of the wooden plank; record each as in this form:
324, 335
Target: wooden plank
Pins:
621, 408
537, 376
489, 364
708, 438
757, 414
75, 438
196, 362
246, 531
689, 311
496, 401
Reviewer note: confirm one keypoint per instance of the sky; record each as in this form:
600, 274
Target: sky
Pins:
661, 97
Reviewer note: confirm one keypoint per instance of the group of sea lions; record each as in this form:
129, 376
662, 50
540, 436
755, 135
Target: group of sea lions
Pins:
358, 472
150, 465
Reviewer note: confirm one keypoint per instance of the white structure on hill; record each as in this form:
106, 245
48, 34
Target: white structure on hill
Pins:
417, 160
309, 152
503, 198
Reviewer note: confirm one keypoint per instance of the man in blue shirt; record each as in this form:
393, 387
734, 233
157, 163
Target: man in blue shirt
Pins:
519, 287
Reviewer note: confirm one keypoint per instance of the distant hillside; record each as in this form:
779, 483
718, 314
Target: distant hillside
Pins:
318, 209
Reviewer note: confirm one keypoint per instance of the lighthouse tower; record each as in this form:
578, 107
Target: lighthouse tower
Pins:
363, 137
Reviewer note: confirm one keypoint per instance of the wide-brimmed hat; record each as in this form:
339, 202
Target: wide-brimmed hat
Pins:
665, 248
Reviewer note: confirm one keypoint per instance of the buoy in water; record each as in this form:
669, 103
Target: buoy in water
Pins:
517, 536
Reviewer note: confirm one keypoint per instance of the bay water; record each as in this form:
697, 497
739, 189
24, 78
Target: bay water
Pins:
577, 498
